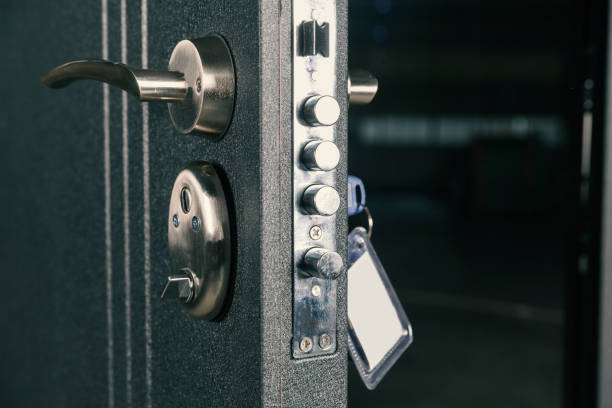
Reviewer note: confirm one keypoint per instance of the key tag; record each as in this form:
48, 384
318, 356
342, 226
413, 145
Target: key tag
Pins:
379, 330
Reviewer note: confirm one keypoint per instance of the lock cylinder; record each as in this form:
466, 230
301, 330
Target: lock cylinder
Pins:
317, 135
199, 241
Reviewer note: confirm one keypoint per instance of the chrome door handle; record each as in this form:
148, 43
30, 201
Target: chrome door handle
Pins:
362, 87
199, 84
147, 85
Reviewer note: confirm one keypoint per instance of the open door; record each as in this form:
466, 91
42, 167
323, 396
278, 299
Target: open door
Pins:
88, 174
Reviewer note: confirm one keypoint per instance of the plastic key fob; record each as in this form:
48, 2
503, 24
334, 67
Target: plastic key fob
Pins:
356, 195
379, 330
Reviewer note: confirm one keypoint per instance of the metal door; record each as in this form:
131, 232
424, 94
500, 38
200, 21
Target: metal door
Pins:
86, 179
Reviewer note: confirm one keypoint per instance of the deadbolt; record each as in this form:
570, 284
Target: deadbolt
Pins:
323, 263
199, 84
199, 241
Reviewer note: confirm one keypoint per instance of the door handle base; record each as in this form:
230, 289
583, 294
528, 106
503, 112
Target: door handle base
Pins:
208, 69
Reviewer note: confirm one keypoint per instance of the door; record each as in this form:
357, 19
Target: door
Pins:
87, 175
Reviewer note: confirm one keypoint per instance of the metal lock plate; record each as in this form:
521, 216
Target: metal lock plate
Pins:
199, 240
314, 221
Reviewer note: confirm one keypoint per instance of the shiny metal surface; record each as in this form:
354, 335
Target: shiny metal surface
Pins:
323, 263
321, 155
209, 70
321, 110
314, 298
199, 85
370, 222
321, 199
146, 85
362, 87
204, 251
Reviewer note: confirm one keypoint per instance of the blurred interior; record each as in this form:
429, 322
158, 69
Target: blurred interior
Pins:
464, 154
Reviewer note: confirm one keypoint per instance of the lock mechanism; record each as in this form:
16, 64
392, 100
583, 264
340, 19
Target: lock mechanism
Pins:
199, 241
199, 85
317, 264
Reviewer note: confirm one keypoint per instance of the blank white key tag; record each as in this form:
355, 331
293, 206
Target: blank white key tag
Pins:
379, 330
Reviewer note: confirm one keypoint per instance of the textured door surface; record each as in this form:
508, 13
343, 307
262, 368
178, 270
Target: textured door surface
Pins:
86, 176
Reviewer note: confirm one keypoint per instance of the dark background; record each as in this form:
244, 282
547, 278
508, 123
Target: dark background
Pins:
466, 156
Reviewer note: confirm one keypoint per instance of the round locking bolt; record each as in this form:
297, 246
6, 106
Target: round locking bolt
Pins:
321, 199
323, 263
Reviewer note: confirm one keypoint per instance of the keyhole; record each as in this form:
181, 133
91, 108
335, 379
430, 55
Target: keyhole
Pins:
185, 200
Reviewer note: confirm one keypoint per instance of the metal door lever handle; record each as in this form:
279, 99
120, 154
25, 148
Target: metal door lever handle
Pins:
147, 85
362, 87
199, 84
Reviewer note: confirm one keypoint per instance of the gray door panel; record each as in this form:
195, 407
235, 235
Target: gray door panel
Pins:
85, 204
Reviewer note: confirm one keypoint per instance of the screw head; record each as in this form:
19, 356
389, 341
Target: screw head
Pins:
195, 223
324, 341
316, 291
306, 344
175, 221
316, 232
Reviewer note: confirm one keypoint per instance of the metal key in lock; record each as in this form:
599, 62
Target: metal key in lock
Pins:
199, 85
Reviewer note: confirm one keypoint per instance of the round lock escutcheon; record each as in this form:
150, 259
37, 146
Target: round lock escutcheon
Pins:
199, 241
207, 67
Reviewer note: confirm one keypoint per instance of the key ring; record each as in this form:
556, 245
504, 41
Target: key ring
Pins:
370, 221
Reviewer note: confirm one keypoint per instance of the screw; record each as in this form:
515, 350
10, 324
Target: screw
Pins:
316, 232
175, 221
306, 344
199, 85
316, 291
195, 223
324, 341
